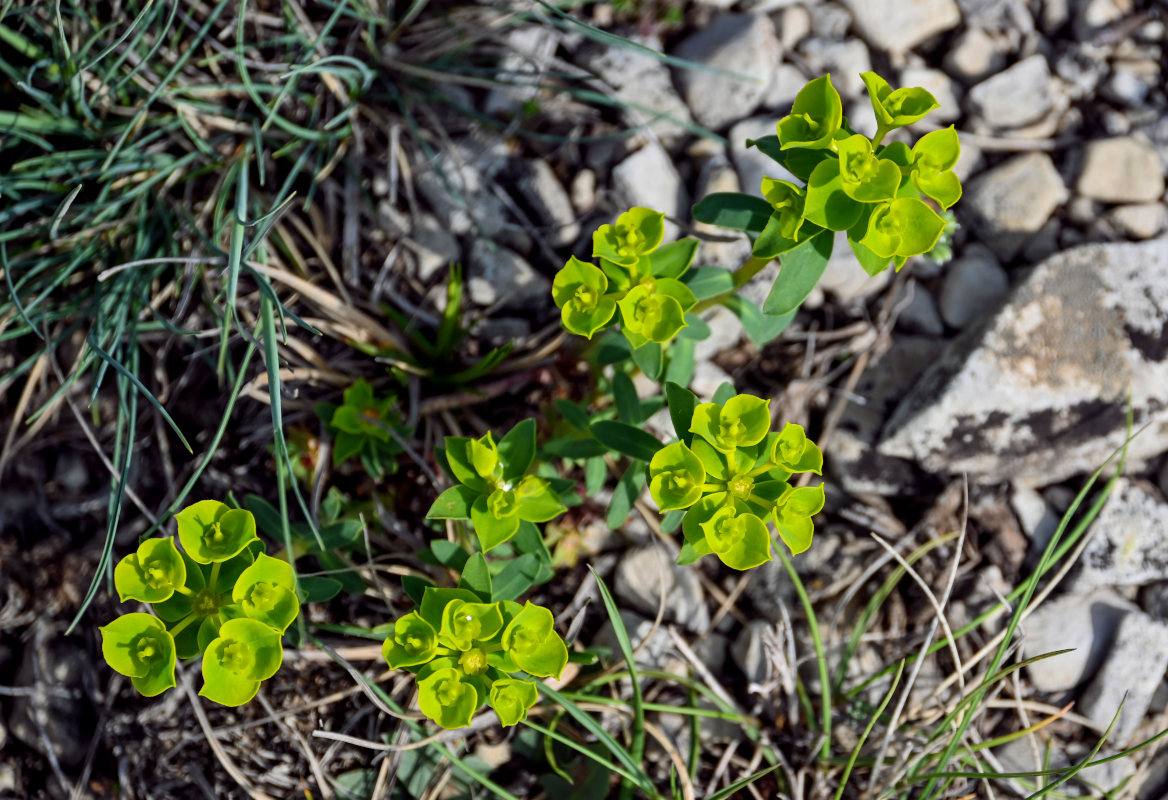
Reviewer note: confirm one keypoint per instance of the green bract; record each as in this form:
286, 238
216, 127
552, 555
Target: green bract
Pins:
230, 586
742, 421
464, 652
579, 291
741, 540
933, 158
412, 642
787, 200
245, 653
793, 514
211, 531
364, 426
897, 108
152, 574
794, 452
865, 177
637, 233
512, 698
138, 646
903, 227
266, 591
815, 117
676, 477
654, 311
494, 492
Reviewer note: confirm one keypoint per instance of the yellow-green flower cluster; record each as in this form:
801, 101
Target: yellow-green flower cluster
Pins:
732, 477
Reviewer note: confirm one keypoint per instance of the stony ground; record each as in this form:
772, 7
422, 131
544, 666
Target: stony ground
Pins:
1013, 365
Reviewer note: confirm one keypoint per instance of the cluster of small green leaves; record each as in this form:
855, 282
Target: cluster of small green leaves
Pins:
637, 276
220, 596
364, 427
729, 472
469, 650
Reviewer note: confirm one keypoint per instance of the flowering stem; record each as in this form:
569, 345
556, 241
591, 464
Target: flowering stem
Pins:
741, 276
187, 620
214, 575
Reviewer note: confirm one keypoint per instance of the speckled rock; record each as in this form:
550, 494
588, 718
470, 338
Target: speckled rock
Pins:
1038, 392
1134, 668
899, 25
1124, 169
648, 178
1084, 622
502, 277
1128, 547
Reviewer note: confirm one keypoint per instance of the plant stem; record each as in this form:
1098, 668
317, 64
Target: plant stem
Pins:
184, 623
741, 276
820, 656
214, 575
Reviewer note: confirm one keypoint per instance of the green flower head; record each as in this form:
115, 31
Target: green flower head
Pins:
637, 233
139, 647
793, 513
903, 227
530, 640
152, 574
794, 452
464, 624
245, 653
933, 158
474, 462
740, 540
512, 698
894, 109
579, 291
412, 642
742, 421
676, 477
448, 698
815, 117
266, 591
362, 413
787, 200
866, 178
211, 531
655, 310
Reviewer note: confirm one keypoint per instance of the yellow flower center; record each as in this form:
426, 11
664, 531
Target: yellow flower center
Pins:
473, 662
584, 298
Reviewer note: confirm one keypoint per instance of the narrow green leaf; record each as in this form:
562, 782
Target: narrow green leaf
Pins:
801, 270
476, 577
733, 210
626, 439
627, 490
516, 578
628, 405
707, 282
651, 359
517, 449
454, 503
681, 363
759, 327
681, 408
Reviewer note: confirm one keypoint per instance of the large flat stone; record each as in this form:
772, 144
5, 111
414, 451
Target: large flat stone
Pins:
1012, 201
1038, 392
899, 25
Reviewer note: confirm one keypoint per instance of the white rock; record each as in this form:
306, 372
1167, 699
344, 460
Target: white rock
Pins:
941, 86
900, 25
1091, 16
1135, 665
1040, 392
540, 190
973, 286
1038, 520
501, 276
457, 185
1015, 97
1125, 169
750, 162
845, 60
725, 332
783, 89
707, 377
917, 310
846, 279
434, 248
526, 60
974, 55
583, 191
794, 23
830, 20
744, 44
1084, 622
647, 573
648, 178
1142, 220
725, 248
1012, 201
643, 84
1128, 546
754, 650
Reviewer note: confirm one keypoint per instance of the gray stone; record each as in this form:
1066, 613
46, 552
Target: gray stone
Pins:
974, 55
1039, 392
744, 44
648, 178
917, 310
1134, 667
501, 277
583, 191
1128, 547
783, 89
659, 650
527, 58
900, 25
754, 650
852, 457
725, 331
794, 24
1089, 17
56, 668
434, 248
845, 60
646, 573
974, 285
1140, 221
1012, 201
1085, 622
830, 20
941, 86
541, 191
750, 162
1038, 520
640, 80
845, 279
1081, 69
1130, 86
1125, 169
1014, 97
1010, 16
457, 185
707, 377
719, 247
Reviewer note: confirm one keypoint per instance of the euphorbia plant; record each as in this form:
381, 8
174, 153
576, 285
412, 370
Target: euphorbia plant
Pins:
221, 597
